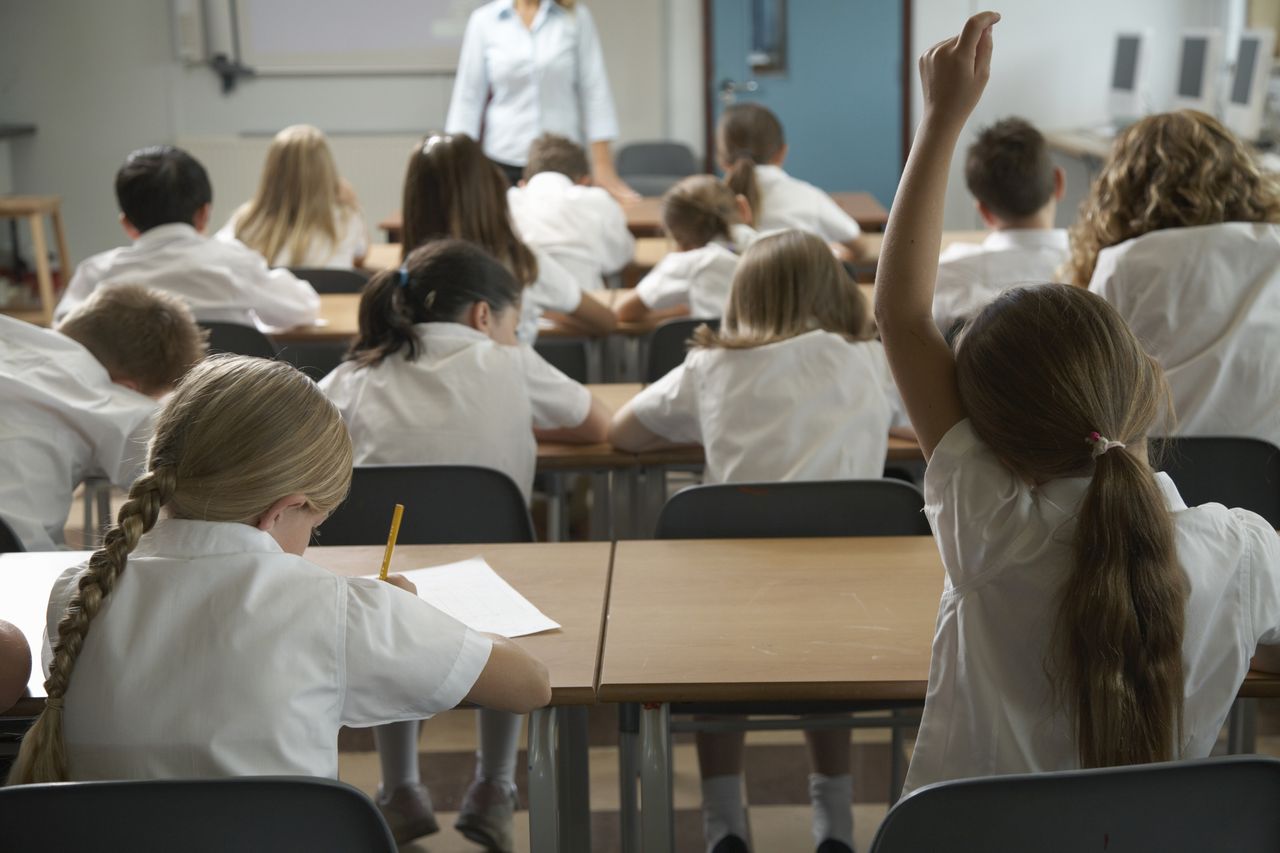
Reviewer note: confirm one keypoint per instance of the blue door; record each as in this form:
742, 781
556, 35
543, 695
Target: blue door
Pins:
839, 95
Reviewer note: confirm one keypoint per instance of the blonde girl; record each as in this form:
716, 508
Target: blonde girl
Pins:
304, 214
709, 226
452, 190
1180, 234
198, 642
1089, 618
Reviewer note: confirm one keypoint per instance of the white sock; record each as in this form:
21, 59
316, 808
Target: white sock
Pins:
499, 736
722, 810
832, 798
397, 753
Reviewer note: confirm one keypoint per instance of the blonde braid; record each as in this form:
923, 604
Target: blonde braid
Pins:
43, 756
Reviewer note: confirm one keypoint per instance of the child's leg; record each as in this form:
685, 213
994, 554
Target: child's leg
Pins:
499, 735
487, 808
720, 763
830, 785
398, 754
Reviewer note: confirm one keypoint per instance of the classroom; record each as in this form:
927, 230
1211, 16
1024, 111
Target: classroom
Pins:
714, 426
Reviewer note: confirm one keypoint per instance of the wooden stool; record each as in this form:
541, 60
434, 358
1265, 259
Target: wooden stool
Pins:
34, 208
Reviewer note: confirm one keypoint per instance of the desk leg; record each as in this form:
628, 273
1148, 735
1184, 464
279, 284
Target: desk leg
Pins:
657, 829
601, 528
555, 507
1241, 727
573, 771
628, 735
544, 812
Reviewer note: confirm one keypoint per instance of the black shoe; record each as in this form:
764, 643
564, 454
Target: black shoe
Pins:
731, 844
833, 846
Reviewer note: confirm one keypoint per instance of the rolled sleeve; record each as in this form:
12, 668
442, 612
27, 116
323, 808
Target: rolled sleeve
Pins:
556, 401
669, 407
599, 118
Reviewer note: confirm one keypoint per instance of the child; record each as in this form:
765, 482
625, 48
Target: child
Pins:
79, 402
437, 376
751, 149
453, 190
164, 198
1017, 189
709, 226
1180, 233
792, 388
15, 665
304, 215
220, 651
1089, 618
556, 209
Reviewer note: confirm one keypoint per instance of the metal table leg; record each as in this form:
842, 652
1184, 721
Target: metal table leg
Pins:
544, 811
657, 830
628, 772
574, 776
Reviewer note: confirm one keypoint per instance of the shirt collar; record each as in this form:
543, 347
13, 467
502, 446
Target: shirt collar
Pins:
545, 8
449, 331
185, 537
169, 233
1066, 493
549, 181
1027, 238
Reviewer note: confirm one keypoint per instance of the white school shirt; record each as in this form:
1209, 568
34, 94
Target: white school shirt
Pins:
555, 289
812, 407
1006, 547
63, 421
218, 654
787, 202
549, 78
222, 281
353, 241
1205, 302
700, 278
466, 400
583, 229
970, 275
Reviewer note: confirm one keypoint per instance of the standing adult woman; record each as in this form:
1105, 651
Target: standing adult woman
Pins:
530, 67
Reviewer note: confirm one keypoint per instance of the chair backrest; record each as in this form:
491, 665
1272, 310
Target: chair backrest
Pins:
665, 158
9, 541
1214, 804
248, 815
569, 356
443, 504
314, 358
669, 344
326, 280
239, 339
1237, 472
798, 508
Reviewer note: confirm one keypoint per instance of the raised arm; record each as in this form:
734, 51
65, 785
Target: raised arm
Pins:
953, 74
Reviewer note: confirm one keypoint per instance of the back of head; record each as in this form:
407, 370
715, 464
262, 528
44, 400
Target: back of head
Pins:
297, 196
438, 283
699, 209
748, 135
1173, 170
1009, 170
237, 435
1047, 374
552, 153
161, 185
787, 284
453, 190
141, 336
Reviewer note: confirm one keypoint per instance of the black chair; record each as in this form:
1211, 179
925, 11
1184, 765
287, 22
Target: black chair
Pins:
9, 542
249, 815
314, 358
239, 339
800, 508
652, 168
326, 280
1237, 472
669, 344
568, 356
1214, 804
443, 504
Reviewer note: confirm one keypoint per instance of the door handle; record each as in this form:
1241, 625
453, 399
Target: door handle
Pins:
728, 89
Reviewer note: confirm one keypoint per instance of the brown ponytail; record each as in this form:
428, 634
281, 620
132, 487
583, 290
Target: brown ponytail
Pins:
699, 209
1116, 654
747, 136
741, 179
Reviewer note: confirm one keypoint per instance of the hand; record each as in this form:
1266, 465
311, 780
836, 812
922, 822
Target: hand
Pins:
954, 72
617, 188
402, 582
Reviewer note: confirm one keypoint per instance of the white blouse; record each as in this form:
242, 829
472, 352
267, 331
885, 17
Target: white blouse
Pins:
353, 242
555, 289
972, 275
582, 228
787, 202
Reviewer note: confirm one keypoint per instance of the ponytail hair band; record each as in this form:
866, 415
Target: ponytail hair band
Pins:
1101, 444
403, 277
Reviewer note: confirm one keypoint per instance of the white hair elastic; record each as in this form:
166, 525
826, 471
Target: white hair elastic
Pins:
1101, 444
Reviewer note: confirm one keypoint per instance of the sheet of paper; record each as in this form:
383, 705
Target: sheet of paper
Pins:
25, 582
474, 594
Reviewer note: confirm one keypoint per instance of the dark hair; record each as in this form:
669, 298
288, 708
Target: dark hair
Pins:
436, 285
161, 184
748, 135
1008, 169
552, 153
453, 190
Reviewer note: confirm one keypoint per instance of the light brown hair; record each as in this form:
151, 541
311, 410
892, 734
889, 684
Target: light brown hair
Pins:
298, 203
1116, 653
453, 190
1173, 170
139, 335
788, 284
1009, 170
238, 434
747, 136
699, 209
553, 153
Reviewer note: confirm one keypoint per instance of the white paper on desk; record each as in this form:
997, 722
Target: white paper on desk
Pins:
26, 579
477, 596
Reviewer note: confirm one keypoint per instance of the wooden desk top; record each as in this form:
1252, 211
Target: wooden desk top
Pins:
873, 243
1081, 142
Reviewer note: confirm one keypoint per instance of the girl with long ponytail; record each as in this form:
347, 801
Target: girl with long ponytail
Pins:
1089, 618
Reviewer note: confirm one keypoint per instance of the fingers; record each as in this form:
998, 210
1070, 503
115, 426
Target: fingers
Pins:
982, 61
971, 35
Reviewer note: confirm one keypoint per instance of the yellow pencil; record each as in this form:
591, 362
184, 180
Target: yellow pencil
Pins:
391, 541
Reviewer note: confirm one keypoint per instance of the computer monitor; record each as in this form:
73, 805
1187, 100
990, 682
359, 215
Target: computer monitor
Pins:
1128, 100
1247, 94
1198, 70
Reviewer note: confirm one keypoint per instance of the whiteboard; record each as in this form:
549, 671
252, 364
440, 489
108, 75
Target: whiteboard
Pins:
351, 36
